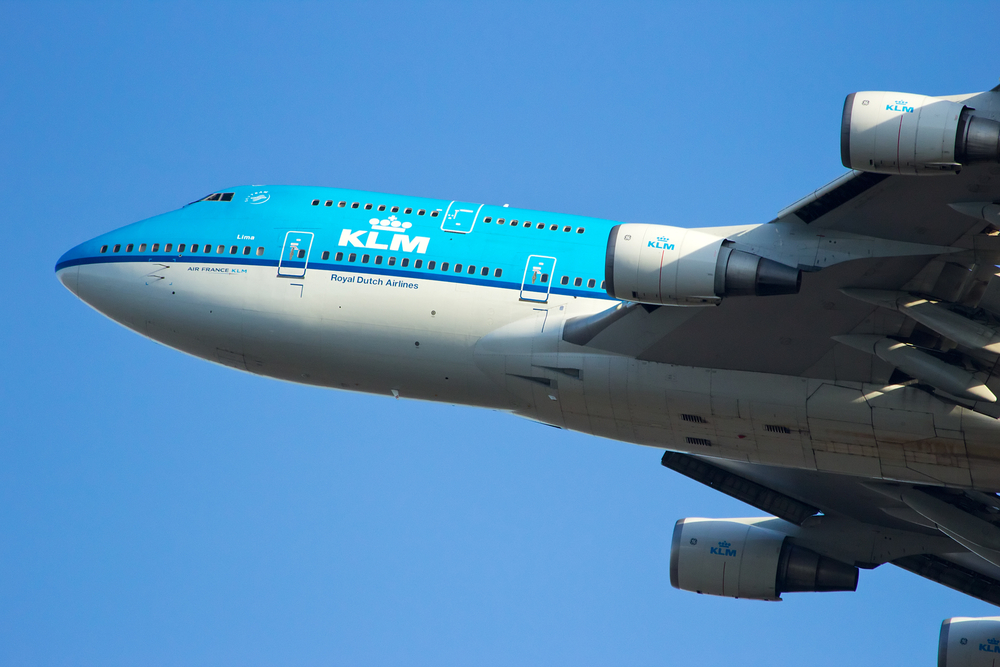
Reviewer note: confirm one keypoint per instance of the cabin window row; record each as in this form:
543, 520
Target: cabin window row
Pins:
381, 207
470, 269
206, 249
578, 282
528, 224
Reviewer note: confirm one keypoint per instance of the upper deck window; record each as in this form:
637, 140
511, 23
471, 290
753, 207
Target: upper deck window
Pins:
434, 214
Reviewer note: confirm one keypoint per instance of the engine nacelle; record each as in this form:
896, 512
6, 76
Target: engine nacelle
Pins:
736, 558
969, 642
657, 264
901, 133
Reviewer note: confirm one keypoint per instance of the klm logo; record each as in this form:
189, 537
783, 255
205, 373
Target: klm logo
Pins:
991, 646
723, 549
900, 105
400, 241
661, 242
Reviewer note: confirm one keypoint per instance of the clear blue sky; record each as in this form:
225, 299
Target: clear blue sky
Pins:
156, 509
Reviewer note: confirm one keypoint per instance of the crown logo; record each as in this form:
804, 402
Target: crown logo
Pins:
994, 642
389, 225
900, 101
725, 545
662, 238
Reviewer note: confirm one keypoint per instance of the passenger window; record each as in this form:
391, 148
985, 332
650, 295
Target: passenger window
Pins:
564, 280
545, 277
194, 247
540, 225
260, 251
430, 265
180, 248
472, 270
156, 247
342, 204
579, 230
392, 261
603, 285
485, 271
498, 273
302, 253
355, 205
325, 255
168, 247
352, 257
315, 202
339, 256
365, 258
246, 250
142, 247
458, 268
233, 250
591, 282
567, 228
513, 223
394, 209
378, 259
434, 214
104, 249
444, 265
208, 248
500, 221
417, 264
577, 282
129, 247
405, 262
381, 207
368, 207
487, 219
408, 210
328, 202
553, 228
421, 212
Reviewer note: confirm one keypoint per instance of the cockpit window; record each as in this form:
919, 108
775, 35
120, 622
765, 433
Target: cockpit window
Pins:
216, 196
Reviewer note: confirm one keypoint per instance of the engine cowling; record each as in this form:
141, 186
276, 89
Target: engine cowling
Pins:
969, 642
902, 133
658, 264
736, 558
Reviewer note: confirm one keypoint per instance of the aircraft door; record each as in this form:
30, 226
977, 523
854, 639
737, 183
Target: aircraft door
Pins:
538, 276
295, 254
460, 217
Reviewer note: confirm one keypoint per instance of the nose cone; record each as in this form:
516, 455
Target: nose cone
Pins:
68, 269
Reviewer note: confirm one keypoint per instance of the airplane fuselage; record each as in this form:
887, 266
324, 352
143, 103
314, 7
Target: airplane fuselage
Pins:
467, 304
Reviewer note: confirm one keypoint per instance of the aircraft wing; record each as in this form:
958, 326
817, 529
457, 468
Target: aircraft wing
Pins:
861, 231
858, 508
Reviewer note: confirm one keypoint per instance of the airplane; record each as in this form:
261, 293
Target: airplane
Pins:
834, 368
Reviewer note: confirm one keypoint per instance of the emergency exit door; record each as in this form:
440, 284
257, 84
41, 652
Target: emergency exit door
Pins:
538, 275
295, 254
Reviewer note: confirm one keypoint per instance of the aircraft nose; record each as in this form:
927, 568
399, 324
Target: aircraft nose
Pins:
68, 271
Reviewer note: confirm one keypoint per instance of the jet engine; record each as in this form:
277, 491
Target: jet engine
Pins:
657, 264
901, 133
736, 558
969, 642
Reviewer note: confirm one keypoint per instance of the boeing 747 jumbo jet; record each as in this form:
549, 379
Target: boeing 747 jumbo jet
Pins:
835, 368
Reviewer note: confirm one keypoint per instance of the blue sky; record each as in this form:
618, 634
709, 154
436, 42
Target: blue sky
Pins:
161, 510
